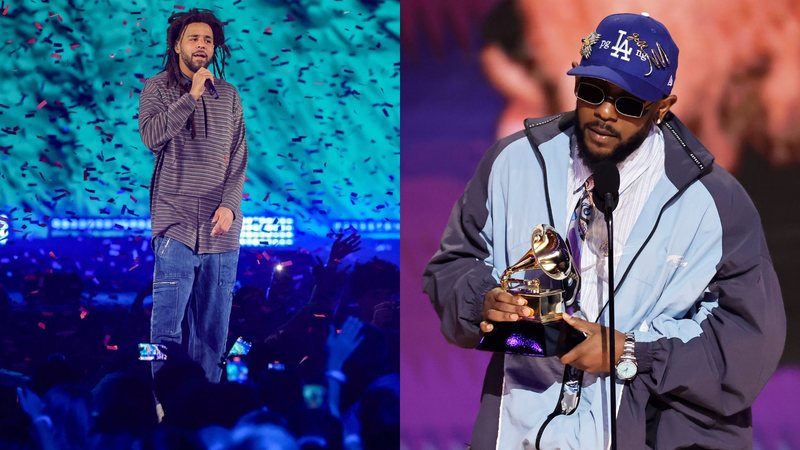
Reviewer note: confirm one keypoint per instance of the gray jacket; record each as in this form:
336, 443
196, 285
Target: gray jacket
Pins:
695, 284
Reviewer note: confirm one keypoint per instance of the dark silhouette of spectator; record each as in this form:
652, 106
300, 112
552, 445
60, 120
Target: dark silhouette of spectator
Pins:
59, 421
120, 412
176, 375
379, 414
261, 437
69, 408
371, 284
262, 416
167, 437
277, 385
252, 315
317, 429
124, 410
210, 404
55, 370
14, 422
5, 302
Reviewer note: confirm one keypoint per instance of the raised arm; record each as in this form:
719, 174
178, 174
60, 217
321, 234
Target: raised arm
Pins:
160, 121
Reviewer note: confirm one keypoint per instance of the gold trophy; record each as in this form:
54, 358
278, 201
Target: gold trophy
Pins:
544, 333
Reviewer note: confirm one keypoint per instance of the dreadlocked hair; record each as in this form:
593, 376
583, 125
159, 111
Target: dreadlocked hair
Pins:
177, 24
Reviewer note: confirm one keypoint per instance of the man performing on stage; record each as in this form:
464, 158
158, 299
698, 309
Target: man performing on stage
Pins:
193, 123
700, 324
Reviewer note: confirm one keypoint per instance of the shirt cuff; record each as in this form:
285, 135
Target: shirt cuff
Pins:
229, 206
482, 287
643, 351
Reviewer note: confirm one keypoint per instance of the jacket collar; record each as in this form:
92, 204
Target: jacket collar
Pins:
686, 159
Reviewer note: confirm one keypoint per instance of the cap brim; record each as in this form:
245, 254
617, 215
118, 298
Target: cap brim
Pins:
632, 84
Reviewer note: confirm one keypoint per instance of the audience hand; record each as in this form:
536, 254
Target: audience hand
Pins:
342, 345
344, 245
31, 403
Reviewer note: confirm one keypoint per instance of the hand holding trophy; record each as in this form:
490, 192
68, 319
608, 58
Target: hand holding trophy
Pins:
523, 317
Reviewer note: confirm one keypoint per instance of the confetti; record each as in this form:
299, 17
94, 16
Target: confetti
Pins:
350, 76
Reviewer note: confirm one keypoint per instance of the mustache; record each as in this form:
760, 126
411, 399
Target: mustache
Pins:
602, 126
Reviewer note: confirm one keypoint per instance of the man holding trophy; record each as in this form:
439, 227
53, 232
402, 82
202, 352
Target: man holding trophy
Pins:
523, 269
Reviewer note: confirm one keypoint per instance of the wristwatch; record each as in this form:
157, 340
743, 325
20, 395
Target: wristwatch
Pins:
627, 367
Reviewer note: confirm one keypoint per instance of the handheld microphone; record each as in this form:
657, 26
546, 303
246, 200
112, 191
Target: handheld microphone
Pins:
606, 186
213, 90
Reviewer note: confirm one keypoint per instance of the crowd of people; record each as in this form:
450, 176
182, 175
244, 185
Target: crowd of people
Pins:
322, 372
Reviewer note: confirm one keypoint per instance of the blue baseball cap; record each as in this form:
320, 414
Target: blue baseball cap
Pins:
633, 51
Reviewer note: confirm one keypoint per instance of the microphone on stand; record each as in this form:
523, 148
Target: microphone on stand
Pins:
606, 195
213, 90
606, 186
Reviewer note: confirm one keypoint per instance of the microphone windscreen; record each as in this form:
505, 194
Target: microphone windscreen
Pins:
606, 181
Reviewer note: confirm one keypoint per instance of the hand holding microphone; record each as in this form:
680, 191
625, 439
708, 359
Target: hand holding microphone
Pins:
203, 79
211, 88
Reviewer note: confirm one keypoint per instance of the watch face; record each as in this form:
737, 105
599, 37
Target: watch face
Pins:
626, 370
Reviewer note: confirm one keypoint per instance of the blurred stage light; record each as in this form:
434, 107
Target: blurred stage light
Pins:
256, 231
5, 229
370, 229
263, 231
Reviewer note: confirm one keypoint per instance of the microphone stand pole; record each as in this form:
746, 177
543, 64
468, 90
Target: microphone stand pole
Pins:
611, 328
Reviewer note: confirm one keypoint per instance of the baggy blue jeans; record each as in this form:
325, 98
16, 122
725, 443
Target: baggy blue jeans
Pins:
199, 288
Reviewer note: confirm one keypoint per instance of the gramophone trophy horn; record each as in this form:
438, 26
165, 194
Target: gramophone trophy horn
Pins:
544, 333
551, 252
555, 259
527, 262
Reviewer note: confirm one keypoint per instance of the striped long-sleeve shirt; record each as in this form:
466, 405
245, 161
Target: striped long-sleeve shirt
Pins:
194, 175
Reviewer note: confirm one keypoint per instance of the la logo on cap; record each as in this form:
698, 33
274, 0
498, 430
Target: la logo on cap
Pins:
632, 51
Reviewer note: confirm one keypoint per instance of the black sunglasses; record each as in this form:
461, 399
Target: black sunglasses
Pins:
595, 95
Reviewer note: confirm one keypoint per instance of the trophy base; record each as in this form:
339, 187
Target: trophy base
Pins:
531, 338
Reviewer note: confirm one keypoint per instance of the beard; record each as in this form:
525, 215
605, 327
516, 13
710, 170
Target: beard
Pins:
189, 61
618, 154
